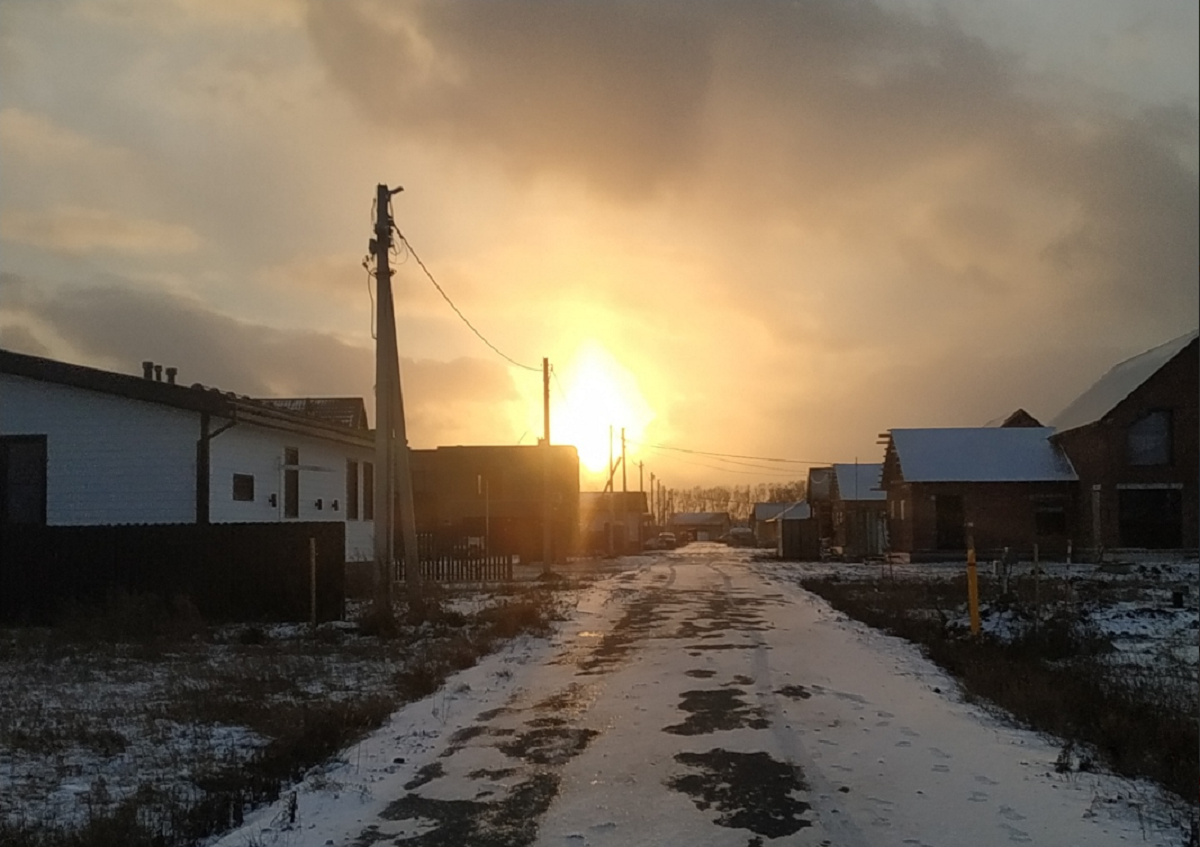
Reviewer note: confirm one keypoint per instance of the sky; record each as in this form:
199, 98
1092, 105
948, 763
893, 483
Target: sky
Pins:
765, 229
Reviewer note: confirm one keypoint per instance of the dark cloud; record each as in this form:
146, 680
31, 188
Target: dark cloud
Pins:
612, 91
116, 322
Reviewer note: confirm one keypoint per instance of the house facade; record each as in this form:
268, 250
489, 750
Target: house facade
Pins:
1132, 438
859, 509
699, 526
495, 494
615, 522
81, 446
995, 487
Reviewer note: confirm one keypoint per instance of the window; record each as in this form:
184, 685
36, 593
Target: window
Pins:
23, 479
243, 487
291, 482
351, 490
368, 498
1148, 440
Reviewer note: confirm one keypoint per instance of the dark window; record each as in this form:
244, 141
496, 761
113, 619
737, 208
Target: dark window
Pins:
1150, 517
351, 490
1050, 520
23, 479
243, 486
291, 482
368, 498
1148, 440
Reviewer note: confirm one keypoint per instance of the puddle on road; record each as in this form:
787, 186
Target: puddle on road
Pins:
511, 821
714, 710
796, 692
700, 673
749, 790
548, 745
426, 774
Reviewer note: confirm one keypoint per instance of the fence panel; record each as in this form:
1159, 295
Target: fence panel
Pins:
252, 571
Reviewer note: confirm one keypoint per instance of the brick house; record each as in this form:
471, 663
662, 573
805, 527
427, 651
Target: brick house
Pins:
1132, 439
998, 486
494, 494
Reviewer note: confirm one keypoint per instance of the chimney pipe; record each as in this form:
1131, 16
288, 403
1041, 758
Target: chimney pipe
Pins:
158, 373
171, 375
147, 370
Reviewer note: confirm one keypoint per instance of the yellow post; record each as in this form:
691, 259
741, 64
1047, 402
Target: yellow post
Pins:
972, 587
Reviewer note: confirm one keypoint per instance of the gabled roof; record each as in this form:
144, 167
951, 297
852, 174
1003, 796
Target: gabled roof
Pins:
859, 482
799, 511
1119, 383
196, 398
1018, 418
980, 454
346, 411
766, 511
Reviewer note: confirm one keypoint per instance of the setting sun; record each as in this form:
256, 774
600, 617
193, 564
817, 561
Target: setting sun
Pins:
594, 392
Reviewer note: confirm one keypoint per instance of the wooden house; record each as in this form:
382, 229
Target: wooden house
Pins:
859, 508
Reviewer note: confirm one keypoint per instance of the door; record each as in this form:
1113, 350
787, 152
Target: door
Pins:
950, 522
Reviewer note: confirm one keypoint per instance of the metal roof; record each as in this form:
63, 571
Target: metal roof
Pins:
1121, 381
981, 454
859, 482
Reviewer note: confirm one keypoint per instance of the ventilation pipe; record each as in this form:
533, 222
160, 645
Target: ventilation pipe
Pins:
147, 370
158, 373
171, 372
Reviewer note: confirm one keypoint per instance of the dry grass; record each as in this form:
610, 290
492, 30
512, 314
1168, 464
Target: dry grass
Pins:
1060, 677
228, 717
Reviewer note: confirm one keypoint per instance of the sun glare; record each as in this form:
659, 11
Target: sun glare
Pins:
595, 392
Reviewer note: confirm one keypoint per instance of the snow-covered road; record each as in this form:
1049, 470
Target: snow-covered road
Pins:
695, 699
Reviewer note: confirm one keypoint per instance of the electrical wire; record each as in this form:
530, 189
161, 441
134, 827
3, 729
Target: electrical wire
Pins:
731, 455
779, 472
458, 311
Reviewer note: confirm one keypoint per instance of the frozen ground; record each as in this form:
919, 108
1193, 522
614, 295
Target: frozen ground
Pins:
697, 697
700, 698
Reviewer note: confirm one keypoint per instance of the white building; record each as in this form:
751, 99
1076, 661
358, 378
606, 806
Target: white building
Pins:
83, 446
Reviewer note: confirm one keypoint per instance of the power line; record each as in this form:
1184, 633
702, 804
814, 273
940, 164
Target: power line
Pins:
781, 472
457, 311
731, 455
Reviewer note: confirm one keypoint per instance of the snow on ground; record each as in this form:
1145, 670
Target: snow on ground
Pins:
597, 737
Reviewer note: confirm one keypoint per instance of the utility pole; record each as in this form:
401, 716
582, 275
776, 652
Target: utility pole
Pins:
393, 477
612, 492
546, 510
653, 502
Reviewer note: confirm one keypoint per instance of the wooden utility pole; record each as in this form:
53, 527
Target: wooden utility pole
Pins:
547, 556
393, 477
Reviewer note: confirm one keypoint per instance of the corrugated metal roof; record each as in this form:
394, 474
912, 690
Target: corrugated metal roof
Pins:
981, 454
859, 482
1119, 383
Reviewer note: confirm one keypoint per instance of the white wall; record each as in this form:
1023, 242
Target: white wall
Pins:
109, 460
112, 460
247, 449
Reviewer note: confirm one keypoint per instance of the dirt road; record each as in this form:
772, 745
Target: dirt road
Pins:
699, 698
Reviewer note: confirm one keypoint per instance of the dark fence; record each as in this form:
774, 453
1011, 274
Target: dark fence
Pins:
243, 571
449, 558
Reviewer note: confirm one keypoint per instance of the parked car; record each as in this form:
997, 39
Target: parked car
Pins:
740, 536
667, 541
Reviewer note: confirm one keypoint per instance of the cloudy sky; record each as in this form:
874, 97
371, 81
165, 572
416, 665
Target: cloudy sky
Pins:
758, 228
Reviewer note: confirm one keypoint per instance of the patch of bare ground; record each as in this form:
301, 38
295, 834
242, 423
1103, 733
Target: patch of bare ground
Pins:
139, 724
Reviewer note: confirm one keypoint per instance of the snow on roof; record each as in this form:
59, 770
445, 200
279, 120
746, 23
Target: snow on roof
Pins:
981, 454
699, 518
1119, 383
796, 512
766, 511
859, 482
